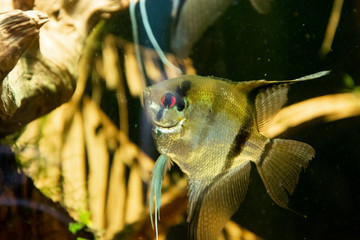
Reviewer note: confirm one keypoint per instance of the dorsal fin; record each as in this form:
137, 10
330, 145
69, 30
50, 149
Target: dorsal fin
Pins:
270, 96
268, 102
267, 96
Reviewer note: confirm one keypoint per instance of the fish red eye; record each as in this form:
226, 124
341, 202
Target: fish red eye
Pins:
168, 100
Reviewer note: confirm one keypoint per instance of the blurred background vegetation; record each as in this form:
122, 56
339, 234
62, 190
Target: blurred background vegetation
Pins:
94, 154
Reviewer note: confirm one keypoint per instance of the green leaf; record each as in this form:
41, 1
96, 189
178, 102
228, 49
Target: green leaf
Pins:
85, 216
74, 227
348, 81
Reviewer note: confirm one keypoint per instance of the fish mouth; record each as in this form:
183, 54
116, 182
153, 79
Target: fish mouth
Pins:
171, 127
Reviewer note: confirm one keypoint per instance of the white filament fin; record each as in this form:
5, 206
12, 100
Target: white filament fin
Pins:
135, 36
152, 38
155, 190
313, 76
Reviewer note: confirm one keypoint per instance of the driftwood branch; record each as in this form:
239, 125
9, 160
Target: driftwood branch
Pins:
18, 31
325, 108
38, 66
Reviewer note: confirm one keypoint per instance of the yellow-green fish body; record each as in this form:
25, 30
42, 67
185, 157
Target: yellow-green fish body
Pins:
212, 129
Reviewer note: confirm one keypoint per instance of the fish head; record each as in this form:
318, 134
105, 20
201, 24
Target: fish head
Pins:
170, 106
165, 103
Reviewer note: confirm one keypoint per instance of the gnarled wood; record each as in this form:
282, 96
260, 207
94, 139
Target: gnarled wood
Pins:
45, 75
18, 30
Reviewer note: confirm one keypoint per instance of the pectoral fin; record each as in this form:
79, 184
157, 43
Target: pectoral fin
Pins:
155, 191
280, 166
211, 206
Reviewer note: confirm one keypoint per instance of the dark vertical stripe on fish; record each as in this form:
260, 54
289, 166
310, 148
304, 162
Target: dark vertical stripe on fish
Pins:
194, 221
193, 224
237, 145
177, 14
159, 114
180, 93
183, 88
265, 152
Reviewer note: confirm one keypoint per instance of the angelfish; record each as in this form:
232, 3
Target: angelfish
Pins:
212, 129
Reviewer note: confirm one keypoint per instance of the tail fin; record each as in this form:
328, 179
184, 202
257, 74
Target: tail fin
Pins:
280, 166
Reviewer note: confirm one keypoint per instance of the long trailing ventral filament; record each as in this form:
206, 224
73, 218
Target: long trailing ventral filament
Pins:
150, 34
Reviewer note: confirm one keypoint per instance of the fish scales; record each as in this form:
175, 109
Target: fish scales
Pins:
211, 128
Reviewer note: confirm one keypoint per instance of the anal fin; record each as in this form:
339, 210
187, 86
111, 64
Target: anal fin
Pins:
280, 165
213, 205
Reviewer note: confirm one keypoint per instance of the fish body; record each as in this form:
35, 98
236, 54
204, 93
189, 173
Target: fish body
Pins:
212, 129
191, 18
